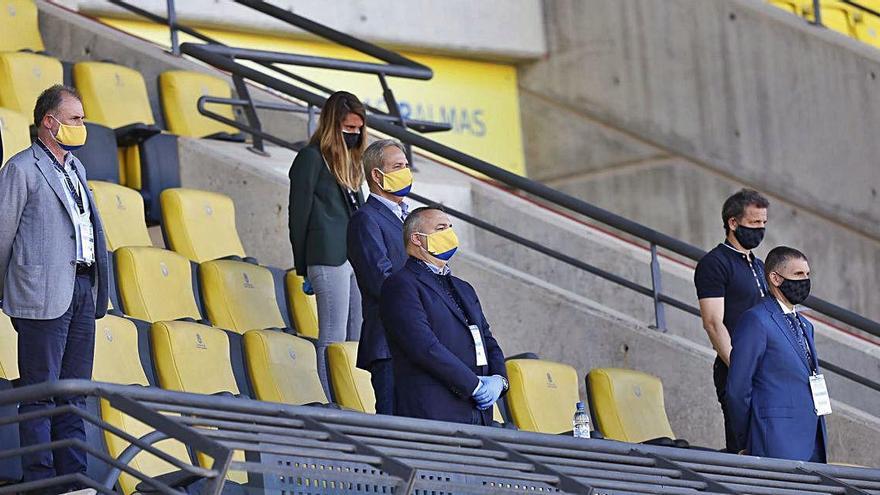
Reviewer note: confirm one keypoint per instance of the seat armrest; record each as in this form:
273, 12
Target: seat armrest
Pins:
132, 134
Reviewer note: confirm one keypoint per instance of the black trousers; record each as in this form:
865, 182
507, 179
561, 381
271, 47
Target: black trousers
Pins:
719, 372
382, 378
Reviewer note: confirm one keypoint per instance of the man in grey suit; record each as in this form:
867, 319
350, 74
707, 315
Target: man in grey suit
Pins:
53, 274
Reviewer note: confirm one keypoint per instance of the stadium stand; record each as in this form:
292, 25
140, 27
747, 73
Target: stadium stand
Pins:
628, 405
14, 134
23, 76
122, 211
283, 368
200, 224
859, 19
239, 296
155, 284
351, 385
180, 91
18, 23
542, 395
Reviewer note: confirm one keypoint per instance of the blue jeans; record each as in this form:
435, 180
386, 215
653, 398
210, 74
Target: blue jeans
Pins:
382, 378
50, 350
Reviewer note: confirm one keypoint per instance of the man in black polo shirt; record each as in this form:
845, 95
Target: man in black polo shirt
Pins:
729, 281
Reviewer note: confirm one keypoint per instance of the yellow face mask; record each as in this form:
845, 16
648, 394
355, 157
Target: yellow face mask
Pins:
398, 182
442, 244
70, 137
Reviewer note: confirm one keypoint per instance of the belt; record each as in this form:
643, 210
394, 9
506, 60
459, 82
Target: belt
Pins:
83, 268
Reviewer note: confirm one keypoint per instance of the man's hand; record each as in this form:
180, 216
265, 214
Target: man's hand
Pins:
307, 287
488, 392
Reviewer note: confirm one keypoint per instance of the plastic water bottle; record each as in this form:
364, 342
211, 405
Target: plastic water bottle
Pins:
581, 422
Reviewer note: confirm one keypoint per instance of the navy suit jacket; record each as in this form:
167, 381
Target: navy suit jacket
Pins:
375, 251
433, 354
768, 388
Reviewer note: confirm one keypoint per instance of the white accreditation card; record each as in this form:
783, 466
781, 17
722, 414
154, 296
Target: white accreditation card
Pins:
88, 238
821, 401
478, 345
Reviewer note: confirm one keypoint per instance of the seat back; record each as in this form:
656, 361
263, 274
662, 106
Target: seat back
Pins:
191, 357
18, 23
10, 468
200, 224
23, 76
122, 211
100, 155
113, 95
155, 284
180, 91
283, 368
303, 307
8, 349
543, 395
627, 405
239, 296
352, 388
119, 354
15, 133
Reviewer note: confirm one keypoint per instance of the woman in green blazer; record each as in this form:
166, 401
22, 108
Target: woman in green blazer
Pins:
325, 190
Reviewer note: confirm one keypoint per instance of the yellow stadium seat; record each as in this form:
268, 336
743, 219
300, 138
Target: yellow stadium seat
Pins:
303, 307
155, 284
122, 211
628, 405
200, 224
836, 16
113, 95
23, 76
180, 91
18, 23
788, 5
351, 385
543, 395
239, 296
118, 360
283, 368
8, 349
15, 134
868, 29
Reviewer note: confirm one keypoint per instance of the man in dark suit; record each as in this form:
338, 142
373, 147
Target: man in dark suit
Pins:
447, 365
53, 277
776, 395
375, 252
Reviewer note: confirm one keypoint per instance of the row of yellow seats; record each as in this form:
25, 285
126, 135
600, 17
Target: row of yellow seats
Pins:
845, 18
282, 368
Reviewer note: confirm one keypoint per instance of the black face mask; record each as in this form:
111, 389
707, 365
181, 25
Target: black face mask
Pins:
749, 237
796, 291
351, 139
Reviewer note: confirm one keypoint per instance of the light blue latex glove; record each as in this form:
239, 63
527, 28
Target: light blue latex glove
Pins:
307, 287
488, 392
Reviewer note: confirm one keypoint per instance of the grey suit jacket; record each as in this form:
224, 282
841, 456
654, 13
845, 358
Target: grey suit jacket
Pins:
38, 240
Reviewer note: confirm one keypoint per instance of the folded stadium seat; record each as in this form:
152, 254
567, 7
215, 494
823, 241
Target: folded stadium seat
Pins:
23, 76
180, 91
239, 296
15, 134
543, 395
10, 468
283, 368
19, 27
122, 211
303, 307
155, 284
200, 225
351, 385
122, 356
199, 359
115, 96
628, 406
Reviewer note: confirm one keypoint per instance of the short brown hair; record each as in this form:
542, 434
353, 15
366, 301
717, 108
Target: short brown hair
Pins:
50, 99
735, 206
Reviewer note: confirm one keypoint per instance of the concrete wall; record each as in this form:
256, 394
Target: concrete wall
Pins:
459, 27
659, 110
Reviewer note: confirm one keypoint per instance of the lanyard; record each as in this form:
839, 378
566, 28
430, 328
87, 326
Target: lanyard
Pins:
803, 333
74, 191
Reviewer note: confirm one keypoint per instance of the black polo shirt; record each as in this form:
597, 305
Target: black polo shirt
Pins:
725, 272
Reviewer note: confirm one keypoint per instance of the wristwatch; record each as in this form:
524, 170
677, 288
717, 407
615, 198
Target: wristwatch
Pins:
504, 383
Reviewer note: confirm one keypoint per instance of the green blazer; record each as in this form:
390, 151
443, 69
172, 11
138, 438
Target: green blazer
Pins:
318, 212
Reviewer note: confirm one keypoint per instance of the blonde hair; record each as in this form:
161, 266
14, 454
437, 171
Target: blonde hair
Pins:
344, 163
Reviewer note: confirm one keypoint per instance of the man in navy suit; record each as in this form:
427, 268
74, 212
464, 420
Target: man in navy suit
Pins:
776, 395
447, 365
375, 251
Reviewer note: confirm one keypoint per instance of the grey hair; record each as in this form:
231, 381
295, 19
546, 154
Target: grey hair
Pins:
375, 152
413, 222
